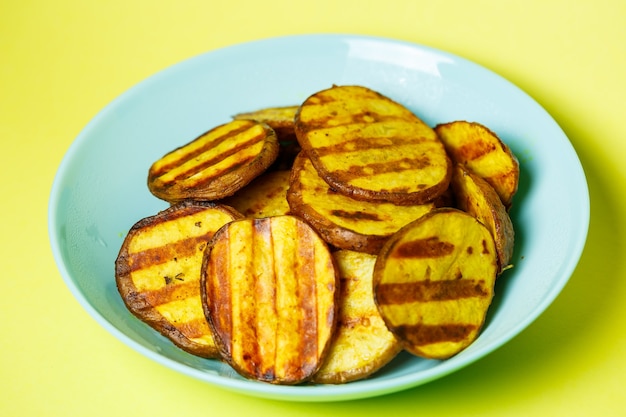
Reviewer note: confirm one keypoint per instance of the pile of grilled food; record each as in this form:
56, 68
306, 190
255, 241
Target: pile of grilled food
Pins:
313, 243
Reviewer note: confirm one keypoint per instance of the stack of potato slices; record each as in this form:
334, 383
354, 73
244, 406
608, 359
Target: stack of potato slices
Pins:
314, 242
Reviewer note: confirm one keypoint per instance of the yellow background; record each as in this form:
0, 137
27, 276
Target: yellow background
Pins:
62, 61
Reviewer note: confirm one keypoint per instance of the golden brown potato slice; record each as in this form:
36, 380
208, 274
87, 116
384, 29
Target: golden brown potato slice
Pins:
371, 148
281, 119
216, 164
478, 198
482, 151
264, 197
362, 343
269, 289
434, 282
342, 221
158, 271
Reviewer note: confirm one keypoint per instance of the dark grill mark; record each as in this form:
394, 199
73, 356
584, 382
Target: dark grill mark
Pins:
427, 290
363, 144
377, 168
355, 215
430, 247
171, 251
422, 334
356, 120
172, 292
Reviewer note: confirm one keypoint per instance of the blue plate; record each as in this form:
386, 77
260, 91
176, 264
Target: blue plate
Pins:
100, 189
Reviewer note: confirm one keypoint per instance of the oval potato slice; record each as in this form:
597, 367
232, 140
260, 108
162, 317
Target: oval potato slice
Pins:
362, 343
482, 151
269, 292
477, 197
157, 272
342, 221
216, 164
434, 282
371, 148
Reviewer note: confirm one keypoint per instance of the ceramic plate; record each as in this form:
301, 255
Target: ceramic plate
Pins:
100, 189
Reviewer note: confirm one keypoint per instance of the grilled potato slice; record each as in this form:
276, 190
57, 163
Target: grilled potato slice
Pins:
269, 292
371, 148
477, 197
342, 221
482, 151
264, 197
158, 271
362, 343
216, 164
434, 282
281, 119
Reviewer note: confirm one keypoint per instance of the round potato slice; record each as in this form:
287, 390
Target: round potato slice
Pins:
477, 197
434, 282
371, 148
158, 271
484, 154
216, 164
362, 343
269, 292
342, 221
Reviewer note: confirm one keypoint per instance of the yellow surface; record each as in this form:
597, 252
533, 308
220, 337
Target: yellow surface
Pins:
63, 61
